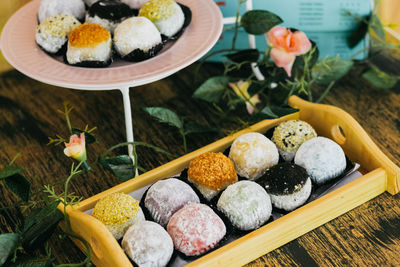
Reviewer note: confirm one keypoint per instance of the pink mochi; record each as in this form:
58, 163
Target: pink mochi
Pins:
195, 229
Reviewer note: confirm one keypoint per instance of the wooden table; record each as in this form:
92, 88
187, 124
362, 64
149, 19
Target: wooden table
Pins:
366, 236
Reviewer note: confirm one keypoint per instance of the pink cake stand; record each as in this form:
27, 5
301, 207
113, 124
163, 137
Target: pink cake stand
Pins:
18, 45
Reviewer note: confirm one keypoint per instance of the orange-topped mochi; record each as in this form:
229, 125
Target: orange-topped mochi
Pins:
89, 45
88, 35
212, 172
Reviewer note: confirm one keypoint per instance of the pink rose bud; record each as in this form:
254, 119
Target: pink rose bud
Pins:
76, 148
286, 46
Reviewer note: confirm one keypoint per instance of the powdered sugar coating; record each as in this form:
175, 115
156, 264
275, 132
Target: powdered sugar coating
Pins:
50, 8
195, 229
148, 244
246, 204
165, 197
291, 201
322, 158
253, 154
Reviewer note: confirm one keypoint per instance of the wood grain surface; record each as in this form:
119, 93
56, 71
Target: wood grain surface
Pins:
366, 236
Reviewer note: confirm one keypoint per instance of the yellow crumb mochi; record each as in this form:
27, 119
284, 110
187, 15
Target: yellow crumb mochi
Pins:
156, 10
88, 35
116, 208
213, 170
59, 25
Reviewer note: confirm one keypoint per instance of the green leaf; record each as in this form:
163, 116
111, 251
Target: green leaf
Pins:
259, 21
39, 225
250, 55
379, 78
121, 166
192, 127
19, 185
331, 69
377, 27
164, 115
89, 138
8, 244
359, 33
212, 89
10, 170
273, 112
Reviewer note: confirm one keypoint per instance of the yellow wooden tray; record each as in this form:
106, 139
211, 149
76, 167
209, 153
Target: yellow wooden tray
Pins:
380, 175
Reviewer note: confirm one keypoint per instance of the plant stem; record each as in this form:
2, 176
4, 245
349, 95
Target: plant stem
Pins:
66, 113
19, 154
325, 92
236, 24
87, 167
135, 157
136, 144
74, 171
184, 140
86, 244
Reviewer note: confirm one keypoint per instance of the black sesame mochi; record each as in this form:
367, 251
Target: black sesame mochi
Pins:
137, 39
288, 185
108, 13
322, 158
148, 244
165, 197
246, 204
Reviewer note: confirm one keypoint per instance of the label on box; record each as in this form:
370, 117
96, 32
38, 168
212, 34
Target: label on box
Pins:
307, 15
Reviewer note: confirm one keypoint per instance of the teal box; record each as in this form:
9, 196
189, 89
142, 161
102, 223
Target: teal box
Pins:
324, 21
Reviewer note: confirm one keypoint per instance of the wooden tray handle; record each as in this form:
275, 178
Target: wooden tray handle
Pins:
340, 126
104, 249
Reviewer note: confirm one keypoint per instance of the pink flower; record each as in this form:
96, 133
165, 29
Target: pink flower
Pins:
286, 45
241, 90
76, 147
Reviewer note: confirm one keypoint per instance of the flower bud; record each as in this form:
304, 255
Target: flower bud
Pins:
76, 148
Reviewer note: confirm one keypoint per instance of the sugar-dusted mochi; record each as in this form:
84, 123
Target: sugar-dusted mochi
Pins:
246, 204
165, 197
322, 158
196, 229
148, 244
253, 154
